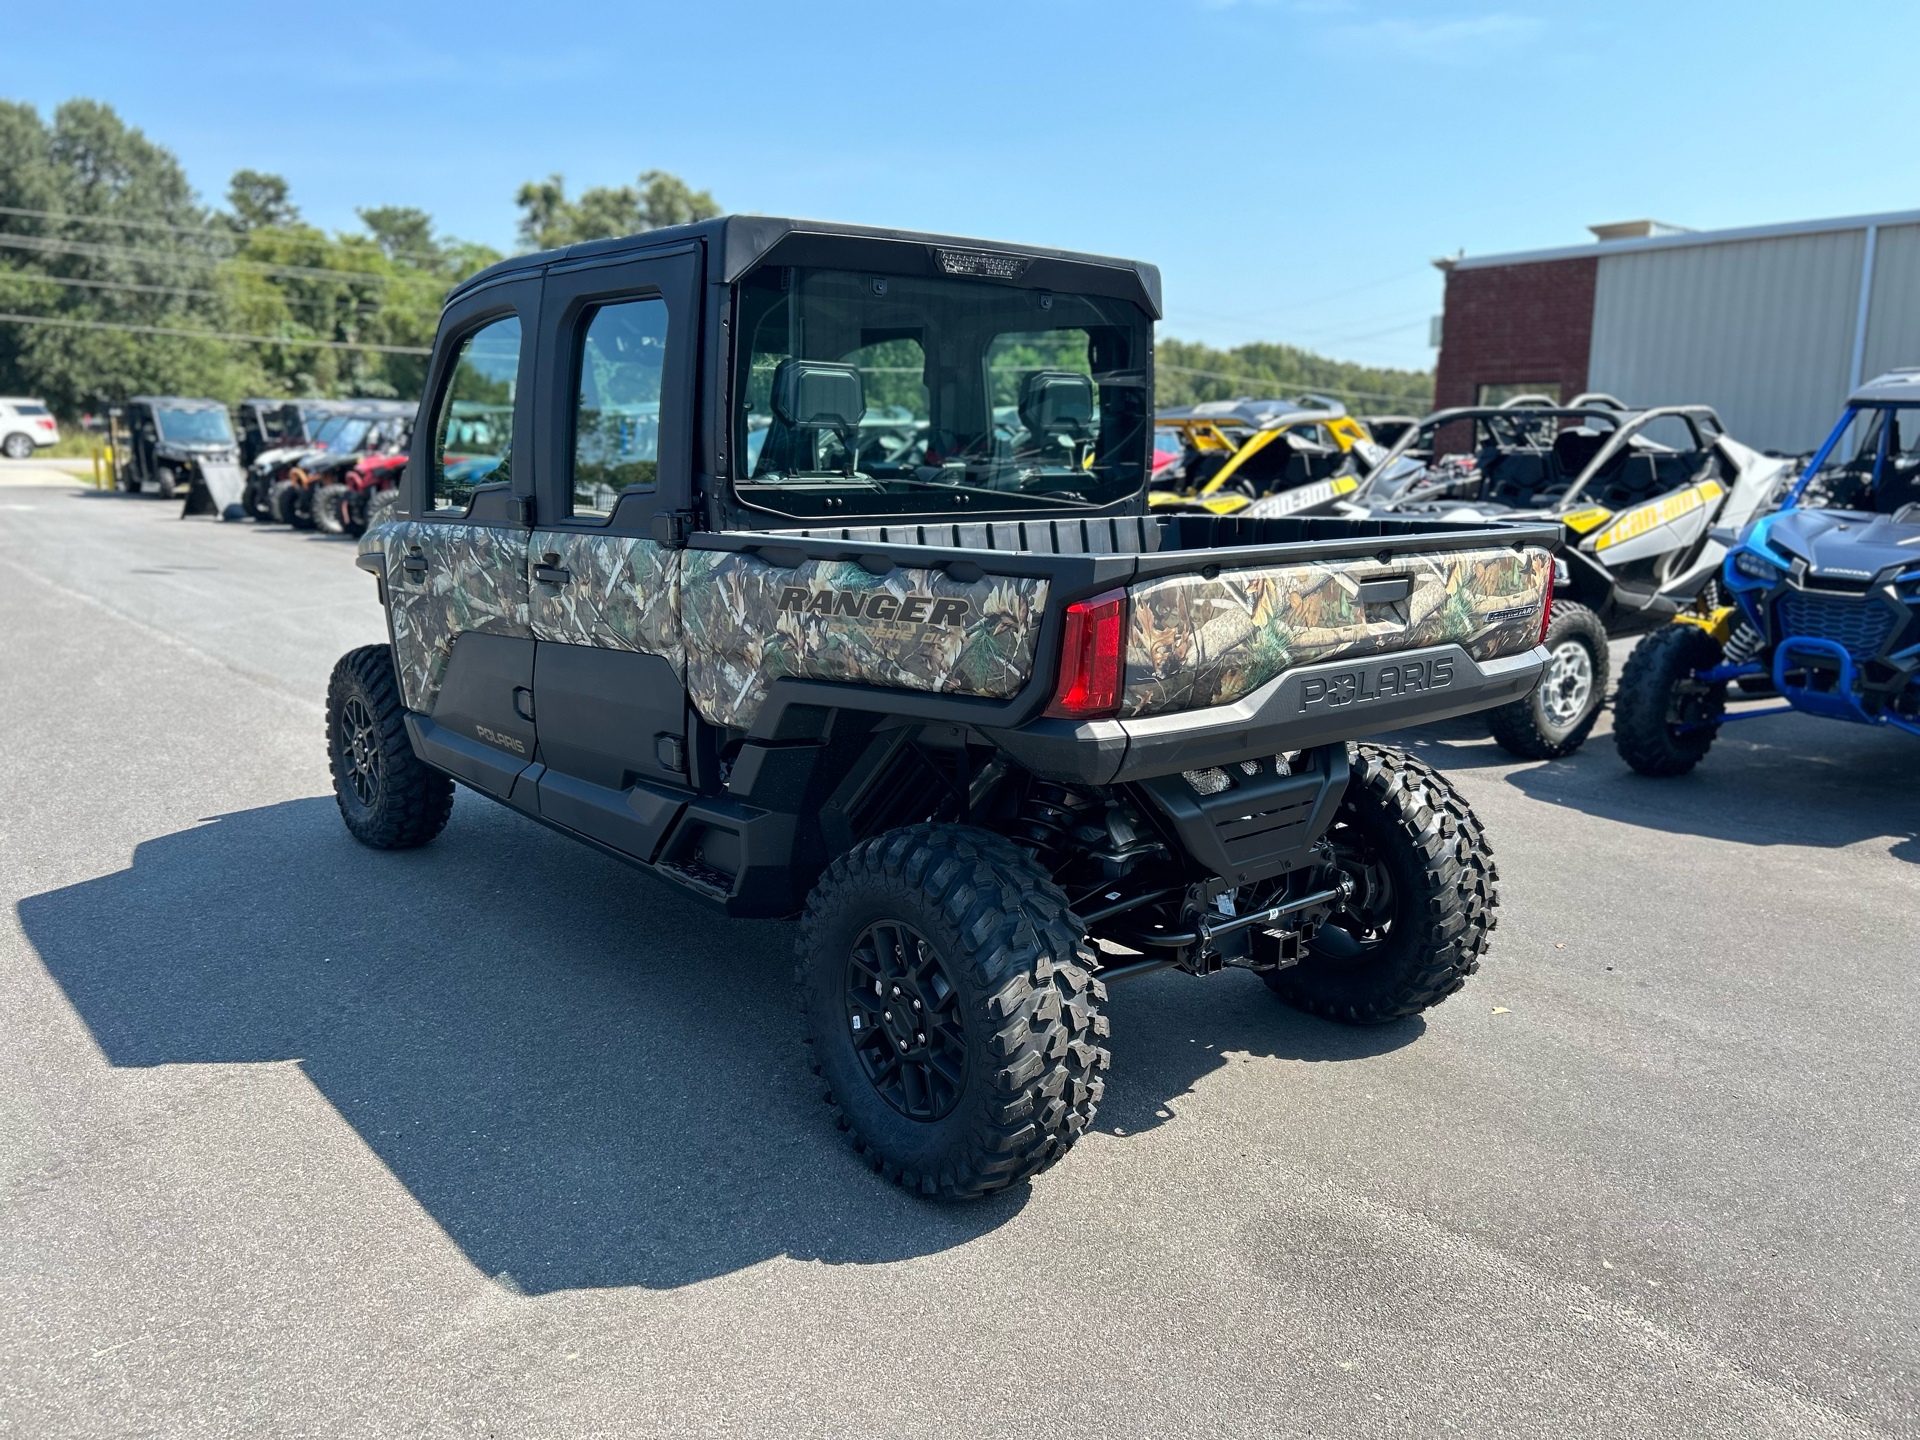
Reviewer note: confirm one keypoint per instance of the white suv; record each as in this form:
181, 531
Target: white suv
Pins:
25, 425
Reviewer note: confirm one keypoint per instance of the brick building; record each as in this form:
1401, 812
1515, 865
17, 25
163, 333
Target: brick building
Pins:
1769, 325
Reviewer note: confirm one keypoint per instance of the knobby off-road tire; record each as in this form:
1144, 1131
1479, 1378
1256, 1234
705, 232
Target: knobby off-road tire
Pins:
280, 501
389, 799
167, 481
1011, 988
1425, 889
1557, 717
327, 516
1658, 696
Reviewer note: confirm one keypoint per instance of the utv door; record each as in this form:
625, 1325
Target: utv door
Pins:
617, 355
457, 564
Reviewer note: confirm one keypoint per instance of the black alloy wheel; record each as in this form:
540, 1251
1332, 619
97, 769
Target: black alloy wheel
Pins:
1424, 892
360, 750
904, 1015
1365, 919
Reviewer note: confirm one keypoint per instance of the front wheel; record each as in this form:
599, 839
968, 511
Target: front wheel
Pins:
1557, 717
280, 501
1424, 891
1665, 718
951, 1009
388, 798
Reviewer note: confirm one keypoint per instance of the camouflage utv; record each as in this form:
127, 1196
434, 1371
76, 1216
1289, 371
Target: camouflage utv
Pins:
995, 734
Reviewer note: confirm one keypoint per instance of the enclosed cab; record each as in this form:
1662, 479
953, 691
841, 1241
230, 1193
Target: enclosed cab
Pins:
810, 570
170, 445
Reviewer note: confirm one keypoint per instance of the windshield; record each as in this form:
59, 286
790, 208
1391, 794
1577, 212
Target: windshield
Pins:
892, 394
1881, 468
193, 427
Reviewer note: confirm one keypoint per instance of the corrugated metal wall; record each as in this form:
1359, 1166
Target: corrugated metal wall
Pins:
1893, 321
1762, 330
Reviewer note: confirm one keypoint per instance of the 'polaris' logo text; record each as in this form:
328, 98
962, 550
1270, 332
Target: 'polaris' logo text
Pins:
505, 742
1375, 682
875, 605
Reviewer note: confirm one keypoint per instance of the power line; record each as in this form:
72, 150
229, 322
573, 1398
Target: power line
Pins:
292, 343
208, 231
42, 245
38, 279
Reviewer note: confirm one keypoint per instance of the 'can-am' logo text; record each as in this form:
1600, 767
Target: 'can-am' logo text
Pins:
875, 605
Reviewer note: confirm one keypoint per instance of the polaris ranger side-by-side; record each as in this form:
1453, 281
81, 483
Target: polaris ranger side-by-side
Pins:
993, 731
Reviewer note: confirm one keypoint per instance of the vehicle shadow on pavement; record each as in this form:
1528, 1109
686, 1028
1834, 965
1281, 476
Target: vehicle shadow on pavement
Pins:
584, 1078
1170, 1031
1787, 781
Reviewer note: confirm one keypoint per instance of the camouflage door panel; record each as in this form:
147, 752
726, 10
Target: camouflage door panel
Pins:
748, 623
476, 580
1196, 642
624, 594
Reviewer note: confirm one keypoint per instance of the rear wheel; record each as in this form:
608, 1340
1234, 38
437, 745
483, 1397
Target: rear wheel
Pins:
17, 446
1664, 719
387, 797
325, 507
1557, 717
1424, 891
951, 1009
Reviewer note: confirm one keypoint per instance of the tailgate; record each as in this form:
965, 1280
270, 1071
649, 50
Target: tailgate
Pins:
1198, 640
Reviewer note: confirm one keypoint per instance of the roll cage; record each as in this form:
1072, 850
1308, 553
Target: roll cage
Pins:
1529, 424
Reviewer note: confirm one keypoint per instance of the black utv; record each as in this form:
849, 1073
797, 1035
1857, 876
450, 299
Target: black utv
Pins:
166, 445
995, 734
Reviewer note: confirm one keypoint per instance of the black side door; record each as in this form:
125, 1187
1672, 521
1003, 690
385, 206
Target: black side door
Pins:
457, 556
619, 346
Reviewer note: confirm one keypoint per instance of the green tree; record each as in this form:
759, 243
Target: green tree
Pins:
259, 201
1186, 372
549, 220
116, 237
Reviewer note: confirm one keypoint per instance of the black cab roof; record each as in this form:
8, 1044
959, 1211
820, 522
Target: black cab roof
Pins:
742, 242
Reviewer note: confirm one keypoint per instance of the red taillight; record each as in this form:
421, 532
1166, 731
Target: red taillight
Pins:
1546, 607
1092, 658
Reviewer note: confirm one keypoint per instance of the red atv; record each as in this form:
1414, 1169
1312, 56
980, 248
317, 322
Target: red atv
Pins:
341, 506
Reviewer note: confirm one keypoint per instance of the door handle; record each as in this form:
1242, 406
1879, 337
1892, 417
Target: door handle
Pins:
552, 575
1381, 592
414, 565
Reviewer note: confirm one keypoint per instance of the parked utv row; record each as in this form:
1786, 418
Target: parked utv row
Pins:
313, 464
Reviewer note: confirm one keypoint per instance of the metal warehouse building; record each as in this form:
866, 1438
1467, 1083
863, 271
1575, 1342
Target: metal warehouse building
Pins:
1771, 326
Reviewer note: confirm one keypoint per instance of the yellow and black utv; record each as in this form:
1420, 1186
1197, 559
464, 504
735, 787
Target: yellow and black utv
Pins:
1233, 452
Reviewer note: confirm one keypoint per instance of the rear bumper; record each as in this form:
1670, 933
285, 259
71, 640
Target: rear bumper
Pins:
1308, 706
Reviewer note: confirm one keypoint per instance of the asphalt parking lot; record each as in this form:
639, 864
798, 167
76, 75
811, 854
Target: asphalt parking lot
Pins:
500, 1138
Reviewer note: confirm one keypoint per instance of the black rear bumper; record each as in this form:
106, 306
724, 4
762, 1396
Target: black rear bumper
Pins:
1305, 707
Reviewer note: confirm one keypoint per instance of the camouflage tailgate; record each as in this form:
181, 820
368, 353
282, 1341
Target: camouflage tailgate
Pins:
1196, 642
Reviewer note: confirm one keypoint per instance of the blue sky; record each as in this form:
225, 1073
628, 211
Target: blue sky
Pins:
1292, 165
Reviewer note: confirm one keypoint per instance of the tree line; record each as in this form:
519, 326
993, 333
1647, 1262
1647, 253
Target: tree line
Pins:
117, 280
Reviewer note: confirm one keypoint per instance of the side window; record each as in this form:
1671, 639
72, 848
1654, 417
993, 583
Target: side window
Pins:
473, 433
616, 417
